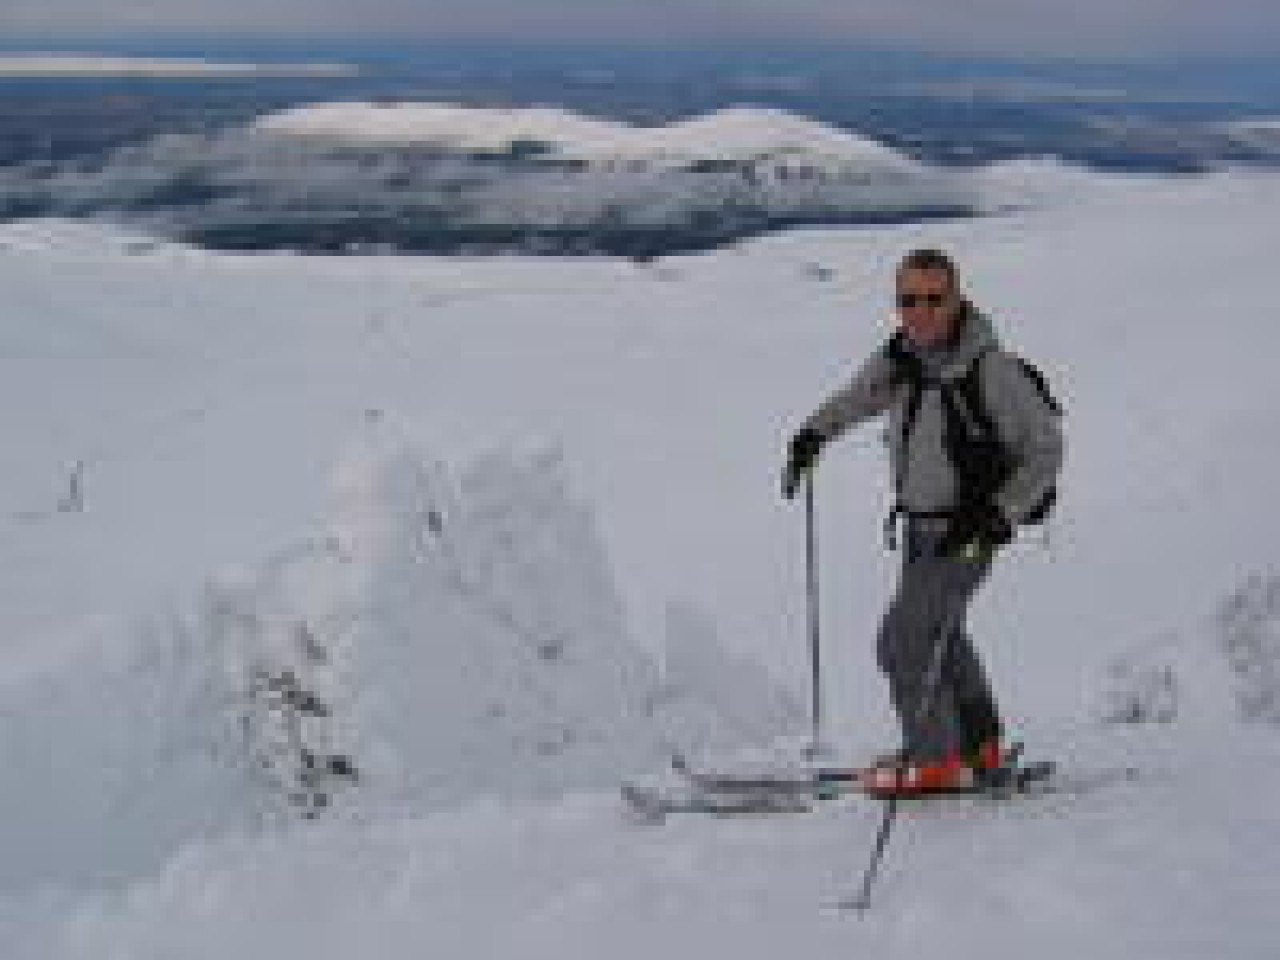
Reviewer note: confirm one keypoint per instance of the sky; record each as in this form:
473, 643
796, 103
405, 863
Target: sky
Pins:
1086, 28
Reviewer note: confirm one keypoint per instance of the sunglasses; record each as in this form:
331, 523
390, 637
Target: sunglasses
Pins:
908, 300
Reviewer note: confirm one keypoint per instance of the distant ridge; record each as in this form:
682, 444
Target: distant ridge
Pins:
743, 131
75, 65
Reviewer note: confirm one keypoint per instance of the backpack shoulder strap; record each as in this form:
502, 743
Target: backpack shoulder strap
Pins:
907, 370
907, 367
1037, 378
968, 387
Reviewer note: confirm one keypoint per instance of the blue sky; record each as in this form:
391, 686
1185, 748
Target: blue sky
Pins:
1088, 28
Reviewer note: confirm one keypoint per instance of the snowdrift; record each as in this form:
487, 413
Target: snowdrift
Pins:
452, 634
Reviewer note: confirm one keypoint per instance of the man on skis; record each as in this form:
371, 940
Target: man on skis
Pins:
975, 448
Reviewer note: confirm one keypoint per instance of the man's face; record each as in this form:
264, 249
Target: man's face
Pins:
928, 306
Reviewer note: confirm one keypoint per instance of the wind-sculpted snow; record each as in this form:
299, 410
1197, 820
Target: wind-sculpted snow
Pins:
720, 699
491, 649
492, 653
113, 757
1249, 625
453, 633
1226, 670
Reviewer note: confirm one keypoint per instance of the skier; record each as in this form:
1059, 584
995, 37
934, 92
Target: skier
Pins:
975, 448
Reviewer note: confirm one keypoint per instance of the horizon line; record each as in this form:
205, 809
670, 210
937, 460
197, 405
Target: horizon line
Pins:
81, 44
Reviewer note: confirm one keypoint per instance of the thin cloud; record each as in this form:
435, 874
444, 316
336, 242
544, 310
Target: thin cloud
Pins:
1081, 27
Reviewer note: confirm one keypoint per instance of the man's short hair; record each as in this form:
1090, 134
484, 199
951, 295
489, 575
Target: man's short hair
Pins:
930, 258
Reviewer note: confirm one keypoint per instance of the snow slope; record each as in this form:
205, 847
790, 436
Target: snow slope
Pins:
479, 484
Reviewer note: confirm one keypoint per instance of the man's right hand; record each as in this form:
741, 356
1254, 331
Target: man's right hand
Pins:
803, 454
976, 533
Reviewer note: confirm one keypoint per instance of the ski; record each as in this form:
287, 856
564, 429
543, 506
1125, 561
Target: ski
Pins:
1059, 782
765, 796
828, 781
655, 804
819, 780
801, 790
1013, 777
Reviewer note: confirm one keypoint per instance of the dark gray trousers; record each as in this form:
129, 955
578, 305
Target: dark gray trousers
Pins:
937, 682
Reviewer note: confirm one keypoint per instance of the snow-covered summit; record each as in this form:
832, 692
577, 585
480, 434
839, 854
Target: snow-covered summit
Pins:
759, 130
735, 132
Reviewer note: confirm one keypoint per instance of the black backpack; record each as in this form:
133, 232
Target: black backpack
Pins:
981, 460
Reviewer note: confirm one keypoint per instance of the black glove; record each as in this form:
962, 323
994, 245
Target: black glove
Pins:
803, 453
976, 532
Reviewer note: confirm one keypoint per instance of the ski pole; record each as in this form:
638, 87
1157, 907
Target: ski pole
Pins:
862, 902
815, 747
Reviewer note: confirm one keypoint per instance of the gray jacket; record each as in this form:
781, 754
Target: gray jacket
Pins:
1023, 419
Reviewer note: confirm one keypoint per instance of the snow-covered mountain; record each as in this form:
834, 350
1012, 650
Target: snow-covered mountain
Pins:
443, 178
434, 550
749, 133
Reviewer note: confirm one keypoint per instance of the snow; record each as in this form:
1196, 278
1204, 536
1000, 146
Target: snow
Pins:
76, 65
518, 180
516, 523
737, 131
1267, 124
1262, 133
